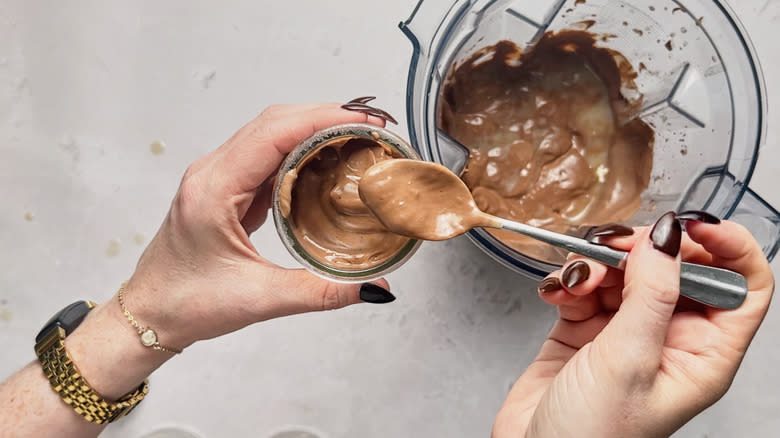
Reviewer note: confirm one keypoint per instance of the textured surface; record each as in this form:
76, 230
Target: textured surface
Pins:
101, 109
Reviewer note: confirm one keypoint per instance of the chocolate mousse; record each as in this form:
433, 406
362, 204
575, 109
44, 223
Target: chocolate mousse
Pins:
420, 199
553, 135
320, 199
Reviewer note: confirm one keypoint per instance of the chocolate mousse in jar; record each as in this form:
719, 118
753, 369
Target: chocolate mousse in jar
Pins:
319, 215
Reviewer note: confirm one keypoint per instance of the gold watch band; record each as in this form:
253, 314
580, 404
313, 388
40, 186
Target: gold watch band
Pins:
74, 390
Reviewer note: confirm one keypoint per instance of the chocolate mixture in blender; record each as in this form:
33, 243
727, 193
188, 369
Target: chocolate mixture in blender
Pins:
553, 136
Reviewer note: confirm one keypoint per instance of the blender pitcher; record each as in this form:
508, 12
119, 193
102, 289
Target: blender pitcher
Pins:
703, 94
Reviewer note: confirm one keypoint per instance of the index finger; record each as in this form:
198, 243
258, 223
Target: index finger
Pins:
257, 149
734, 248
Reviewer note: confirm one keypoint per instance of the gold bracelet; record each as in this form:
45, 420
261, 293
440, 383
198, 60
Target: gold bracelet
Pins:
148, 336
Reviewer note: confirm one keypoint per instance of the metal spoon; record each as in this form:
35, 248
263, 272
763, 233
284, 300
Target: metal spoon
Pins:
427, 201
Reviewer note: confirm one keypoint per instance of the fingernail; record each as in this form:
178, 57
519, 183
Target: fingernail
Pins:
667, 234
609, 230
364, 99
698, 216
575, 274
372, 293
550, 285
359, 104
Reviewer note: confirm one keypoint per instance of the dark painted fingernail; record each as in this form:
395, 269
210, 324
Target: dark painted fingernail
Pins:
550, 285
364, 99
372, 293
667, 234
698, 216
359, 104
575, 274
609, 230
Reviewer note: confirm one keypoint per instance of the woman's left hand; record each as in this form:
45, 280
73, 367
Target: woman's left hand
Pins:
201, 276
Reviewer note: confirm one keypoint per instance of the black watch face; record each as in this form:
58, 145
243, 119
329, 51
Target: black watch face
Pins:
68, 318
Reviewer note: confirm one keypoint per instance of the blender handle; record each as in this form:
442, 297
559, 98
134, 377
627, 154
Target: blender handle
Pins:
715, 287
424, 21
761, 219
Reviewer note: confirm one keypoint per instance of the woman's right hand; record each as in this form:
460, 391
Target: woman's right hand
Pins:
628, 356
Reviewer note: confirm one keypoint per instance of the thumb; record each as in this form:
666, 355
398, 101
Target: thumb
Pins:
299, 291
652, 287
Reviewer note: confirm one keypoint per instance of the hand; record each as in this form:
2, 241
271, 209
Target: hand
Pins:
629, 356
200, 276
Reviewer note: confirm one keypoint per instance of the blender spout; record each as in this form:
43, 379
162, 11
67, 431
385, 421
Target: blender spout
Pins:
732, 198
424, 21
761, 219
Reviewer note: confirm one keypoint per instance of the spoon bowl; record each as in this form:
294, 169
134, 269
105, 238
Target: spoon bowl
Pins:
421, 200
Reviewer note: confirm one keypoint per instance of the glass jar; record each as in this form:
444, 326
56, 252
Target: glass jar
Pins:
301, 154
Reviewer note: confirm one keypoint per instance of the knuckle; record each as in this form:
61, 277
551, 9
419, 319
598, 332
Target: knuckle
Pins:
746, 245
196, 166
185, 197
258, 132
663, 291
190, 172
661, 285
504, 422
746, 238
272, 111
660, 296
186, 204
189, 186
330, 297
742, 231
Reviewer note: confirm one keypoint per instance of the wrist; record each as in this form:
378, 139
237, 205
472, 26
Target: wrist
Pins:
108, 354
154, 303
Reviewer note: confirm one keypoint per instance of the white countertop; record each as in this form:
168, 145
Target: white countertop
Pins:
87, 86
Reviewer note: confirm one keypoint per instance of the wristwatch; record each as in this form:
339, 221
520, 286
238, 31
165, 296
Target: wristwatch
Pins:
65, 378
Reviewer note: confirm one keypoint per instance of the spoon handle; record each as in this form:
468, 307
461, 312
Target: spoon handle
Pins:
715, 287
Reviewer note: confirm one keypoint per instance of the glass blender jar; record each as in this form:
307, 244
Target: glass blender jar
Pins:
703, 93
